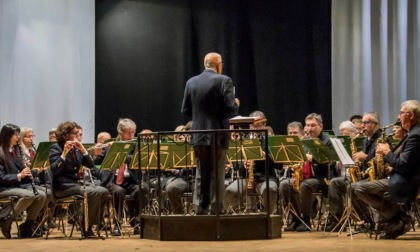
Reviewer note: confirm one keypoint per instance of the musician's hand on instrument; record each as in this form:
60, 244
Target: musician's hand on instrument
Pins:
247, 163
238, 102
309, 157
67, 147
359, 156
25, 173
228, 167
383, 148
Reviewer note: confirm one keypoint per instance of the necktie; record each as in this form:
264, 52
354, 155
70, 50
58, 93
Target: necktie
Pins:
120, 175
307, 171
339, 171
31, 153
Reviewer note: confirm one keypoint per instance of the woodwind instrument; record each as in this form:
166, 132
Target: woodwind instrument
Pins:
85, 203
354, 171
297, 175
24, 161
249, 184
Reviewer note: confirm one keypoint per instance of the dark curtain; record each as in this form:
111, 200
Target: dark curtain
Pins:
278, 53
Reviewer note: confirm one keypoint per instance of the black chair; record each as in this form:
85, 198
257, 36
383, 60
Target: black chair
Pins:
9, 202
62, 204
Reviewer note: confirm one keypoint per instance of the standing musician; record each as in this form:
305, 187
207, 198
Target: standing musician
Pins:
66, 158
404, 182
315, 175
339, 186
15, 180
237, 188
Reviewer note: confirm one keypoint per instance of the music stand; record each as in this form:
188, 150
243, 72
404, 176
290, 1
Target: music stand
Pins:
288, 150
41, 162
116, 155
347, 162
241, 149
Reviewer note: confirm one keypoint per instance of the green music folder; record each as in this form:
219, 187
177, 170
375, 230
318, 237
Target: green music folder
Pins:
286, 149
320, 152
149, 156
245, 149
345, 140
116, 155
41, 159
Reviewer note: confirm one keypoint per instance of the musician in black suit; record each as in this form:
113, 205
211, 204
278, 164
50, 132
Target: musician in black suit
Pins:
15, 181
209, 99
66, 157
124, 181
404, 182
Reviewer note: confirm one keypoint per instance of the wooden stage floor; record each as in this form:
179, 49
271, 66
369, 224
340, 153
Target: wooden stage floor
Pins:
291, 241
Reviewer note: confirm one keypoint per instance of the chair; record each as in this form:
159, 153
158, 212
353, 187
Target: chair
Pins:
10, 201
65, 203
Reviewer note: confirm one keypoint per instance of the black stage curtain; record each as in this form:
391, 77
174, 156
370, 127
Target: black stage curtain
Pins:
278, 53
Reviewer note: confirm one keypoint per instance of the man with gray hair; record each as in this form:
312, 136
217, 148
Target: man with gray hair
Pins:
404, 182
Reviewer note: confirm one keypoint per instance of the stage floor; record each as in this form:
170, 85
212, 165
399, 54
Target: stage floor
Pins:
290, 241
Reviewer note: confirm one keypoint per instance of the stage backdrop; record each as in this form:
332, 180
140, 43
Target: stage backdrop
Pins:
278, 53
47, 66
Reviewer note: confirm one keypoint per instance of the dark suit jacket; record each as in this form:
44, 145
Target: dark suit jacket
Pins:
209, 100
369, 147
66, 172
405, 177
9, 179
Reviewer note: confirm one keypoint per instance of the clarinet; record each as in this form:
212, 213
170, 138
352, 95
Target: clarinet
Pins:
24, 166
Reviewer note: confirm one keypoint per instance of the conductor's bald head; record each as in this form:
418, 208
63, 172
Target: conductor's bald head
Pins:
213, 61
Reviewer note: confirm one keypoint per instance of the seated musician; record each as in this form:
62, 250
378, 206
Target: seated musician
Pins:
315, 177
66, 158
403, 184
124, 181
340, 185
15, 180
234, 193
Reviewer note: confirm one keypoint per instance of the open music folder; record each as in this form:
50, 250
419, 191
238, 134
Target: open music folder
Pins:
341, 152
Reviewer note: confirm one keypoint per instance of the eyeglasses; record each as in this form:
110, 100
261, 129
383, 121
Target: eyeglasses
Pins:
16, 134
404, 112
74, 132
30, 136
221, 63
368, 122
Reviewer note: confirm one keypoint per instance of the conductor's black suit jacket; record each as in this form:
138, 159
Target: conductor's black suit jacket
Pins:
210, 101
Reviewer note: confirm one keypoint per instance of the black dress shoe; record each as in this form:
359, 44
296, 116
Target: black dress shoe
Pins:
88, 233
303, 228
136, 230
292, 226
116, 231
6, 226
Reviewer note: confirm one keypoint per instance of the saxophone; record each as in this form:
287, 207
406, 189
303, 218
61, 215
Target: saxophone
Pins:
376, 169
249, 184
354, 171
298, 176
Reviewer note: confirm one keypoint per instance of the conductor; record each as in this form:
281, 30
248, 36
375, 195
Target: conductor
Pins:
210, 101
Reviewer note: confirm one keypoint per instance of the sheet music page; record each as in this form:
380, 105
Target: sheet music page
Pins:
339, 148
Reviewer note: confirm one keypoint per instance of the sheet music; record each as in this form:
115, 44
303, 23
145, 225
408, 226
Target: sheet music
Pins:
342, 154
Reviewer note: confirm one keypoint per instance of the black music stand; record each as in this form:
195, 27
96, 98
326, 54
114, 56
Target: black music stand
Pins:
239, 150
349, 213
287, 150
41, 162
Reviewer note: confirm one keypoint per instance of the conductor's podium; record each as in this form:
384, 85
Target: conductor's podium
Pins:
160, 155
211, 227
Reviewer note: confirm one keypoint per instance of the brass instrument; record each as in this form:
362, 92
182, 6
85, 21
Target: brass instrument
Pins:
298, 176
249, 184
24, 161
354, 171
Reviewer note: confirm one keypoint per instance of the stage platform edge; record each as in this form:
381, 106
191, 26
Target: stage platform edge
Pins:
210, 227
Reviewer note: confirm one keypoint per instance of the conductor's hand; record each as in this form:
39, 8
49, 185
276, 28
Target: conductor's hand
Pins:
238, 102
